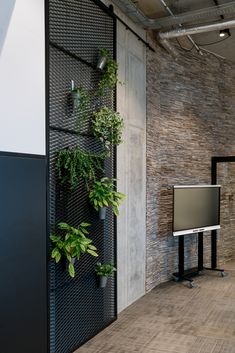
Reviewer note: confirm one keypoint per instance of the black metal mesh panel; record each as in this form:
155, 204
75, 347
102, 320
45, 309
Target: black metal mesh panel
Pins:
78, 308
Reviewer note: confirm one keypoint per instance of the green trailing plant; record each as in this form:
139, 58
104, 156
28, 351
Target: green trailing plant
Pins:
109, 76
72, 244
107, 126
104, 52
103, 194
105, 270
82, 107
104, 57
72, 163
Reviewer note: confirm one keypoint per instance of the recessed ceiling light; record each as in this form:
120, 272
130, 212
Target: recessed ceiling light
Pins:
224, 32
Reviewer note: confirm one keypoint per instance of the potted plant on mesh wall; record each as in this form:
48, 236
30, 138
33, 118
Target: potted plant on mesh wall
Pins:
107, 126
103, 271
71, 245
81, 103
73, 163
109, 76
104, 56
103, 195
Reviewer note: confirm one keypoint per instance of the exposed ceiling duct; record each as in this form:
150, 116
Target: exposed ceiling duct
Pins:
163, 37
180, 32
138, 16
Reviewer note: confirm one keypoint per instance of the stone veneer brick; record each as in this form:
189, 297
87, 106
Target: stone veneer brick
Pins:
190, 118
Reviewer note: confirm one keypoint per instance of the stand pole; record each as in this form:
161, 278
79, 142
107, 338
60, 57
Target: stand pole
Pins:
213, 249
200, 251
181, 255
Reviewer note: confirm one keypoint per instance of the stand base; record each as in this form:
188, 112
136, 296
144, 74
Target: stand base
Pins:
222, 272
178, 277
187, 276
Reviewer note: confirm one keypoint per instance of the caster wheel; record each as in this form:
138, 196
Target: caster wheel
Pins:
174, 278
192, 285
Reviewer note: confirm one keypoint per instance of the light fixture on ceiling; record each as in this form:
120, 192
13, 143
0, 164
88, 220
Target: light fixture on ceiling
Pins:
224, 32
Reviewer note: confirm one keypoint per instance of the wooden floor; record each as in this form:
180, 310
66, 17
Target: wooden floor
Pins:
176, 319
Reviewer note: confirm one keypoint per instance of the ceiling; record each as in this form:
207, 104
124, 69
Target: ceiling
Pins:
226, 48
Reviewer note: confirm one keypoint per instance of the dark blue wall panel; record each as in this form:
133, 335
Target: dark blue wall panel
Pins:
23, 275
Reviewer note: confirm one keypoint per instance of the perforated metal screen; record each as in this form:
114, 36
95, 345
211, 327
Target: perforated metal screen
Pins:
78, 308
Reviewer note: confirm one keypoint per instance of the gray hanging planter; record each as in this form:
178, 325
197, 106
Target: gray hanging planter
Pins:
74, 259
101, 62
102, 213
103, 281
76, 99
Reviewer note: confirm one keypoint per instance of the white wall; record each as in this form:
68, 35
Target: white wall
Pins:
22, 76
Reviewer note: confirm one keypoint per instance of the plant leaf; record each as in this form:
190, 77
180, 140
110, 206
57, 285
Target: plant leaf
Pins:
93, 253
83, 248
71, 270
54, 253
62, 225
58, 257
105, 202
92, 247
85, 224
54, 238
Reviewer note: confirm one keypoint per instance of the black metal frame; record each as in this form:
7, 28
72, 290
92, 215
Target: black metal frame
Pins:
49, 128
110, 11
214, 162
46, 15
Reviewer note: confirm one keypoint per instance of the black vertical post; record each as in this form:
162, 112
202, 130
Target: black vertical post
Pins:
47, 90
200, 251
181, 255
213, 249
214, 232
115, 154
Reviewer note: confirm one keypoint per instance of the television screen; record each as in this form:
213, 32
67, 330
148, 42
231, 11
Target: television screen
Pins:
196, 208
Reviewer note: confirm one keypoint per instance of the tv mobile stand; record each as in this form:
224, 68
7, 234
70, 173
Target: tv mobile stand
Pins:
183, 275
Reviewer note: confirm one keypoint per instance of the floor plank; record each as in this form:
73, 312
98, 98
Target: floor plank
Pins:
173, 318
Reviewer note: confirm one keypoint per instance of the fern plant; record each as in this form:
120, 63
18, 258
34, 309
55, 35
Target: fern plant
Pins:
72, 244
72, 163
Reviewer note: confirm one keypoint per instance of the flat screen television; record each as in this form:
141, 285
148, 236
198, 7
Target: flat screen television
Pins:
196, 208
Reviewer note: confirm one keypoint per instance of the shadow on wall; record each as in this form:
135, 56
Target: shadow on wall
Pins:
7, 7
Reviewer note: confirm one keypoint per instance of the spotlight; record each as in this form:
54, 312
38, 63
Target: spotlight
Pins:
224, 32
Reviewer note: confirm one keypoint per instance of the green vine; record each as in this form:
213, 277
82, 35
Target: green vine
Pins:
72, 163
109, 76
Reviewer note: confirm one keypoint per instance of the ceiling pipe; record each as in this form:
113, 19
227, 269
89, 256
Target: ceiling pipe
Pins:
163, 37
138, 17
180, 32
129, 8
170, 48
